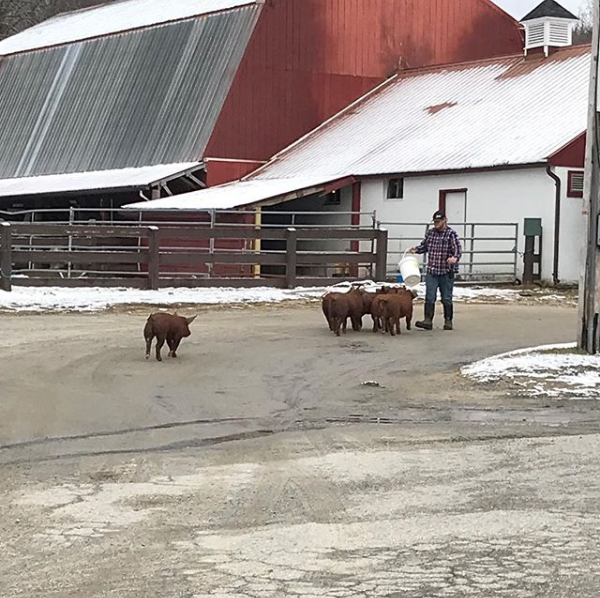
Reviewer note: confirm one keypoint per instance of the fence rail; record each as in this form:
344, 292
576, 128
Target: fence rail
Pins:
490, 249
154, 257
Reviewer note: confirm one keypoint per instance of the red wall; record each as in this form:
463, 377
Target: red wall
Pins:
572, 155
219, 171
308, 59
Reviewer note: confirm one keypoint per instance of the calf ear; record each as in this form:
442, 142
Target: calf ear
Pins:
190, 320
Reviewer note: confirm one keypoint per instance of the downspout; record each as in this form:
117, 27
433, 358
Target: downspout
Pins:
557, 208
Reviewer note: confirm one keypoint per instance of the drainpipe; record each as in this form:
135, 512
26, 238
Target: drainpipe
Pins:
557, 200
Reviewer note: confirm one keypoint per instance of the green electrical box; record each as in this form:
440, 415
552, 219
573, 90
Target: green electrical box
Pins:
533, 227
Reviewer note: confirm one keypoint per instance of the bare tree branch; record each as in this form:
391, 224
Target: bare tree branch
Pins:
583, 31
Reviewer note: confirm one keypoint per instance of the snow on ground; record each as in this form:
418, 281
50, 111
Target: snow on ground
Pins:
96, 299
555, 371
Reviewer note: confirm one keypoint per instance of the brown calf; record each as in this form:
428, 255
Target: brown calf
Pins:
326, 305
342, 306
166, 327
377, 307
395, 307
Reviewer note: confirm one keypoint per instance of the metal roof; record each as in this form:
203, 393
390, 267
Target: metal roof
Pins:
111, 18
549, 8
149, 96
234, 195
508, 111
126, 178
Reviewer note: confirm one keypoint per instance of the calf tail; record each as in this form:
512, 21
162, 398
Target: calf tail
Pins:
149, 335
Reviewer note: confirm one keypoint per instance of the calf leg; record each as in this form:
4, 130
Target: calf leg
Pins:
389, 326
174, 346
170, 344
160, 341
337, 324
148, 346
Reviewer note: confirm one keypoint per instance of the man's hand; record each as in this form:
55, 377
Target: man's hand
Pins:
412, 250
452, 261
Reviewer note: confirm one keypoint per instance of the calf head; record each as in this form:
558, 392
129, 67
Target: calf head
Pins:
185, 325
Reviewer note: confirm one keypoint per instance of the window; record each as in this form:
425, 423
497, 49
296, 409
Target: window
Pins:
334, 198
575, 183
395, 189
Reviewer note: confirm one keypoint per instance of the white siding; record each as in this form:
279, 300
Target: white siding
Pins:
501, 196
572, 229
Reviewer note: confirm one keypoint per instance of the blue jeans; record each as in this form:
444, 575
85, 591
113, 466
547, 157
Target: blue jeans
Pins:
445, 283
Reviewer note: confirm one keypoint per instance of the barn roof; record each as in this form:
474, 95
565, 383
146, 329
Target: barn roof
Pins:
144, 97
237, 194
549, 8
492, 113
89, 182
110, 18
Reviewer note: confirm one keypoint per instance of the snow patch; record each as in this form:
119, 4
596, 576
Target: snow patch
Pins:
541, 372
90, 299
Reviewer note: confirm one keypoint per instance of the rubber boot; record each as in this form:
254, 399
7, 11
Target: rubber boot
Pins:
427, 323
448, 317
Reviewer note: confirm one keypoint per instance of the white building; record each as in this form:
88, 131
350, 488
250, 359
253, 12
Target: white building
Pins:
493, 142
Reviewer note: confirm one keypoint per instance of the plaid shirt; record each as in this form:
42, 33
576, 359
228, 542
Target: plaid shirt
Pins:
440, 245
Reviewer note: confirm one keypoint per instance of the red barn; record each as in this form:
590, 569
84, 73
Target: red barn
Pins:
152, 97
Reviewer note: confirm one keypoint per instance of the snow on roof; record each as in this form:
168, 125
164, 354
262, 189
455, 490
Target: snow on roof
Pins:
125, 178
111, 18
237, 194
507, 111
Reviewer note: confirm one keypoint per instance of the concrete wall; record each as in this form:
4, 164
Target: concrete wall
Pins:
507, 196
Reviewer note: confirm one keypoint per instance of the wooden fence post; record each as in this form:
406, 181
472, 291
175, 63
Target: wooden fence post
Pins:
381, 255
154, 258
5, 257
291, 257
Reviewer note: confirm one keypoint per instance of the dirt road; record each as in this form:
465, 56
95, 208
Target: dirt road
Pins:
260, 464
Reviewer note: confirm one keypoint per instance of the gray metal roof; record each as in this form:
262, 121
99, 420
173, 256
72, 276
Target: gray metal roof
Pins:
146, 97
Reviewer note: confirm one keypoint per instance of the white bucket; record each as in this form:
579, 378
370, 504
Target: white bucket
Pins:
410, 270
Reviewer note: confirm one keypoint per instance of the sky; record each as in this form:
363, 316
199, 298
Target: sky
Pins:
519, 8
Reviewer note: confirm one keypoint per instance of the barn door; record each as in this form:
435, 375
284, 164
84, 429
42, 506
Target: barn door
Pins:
454, 202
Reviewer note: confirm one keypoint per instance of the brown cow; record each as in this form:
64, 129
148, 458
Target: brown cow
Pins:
342, 306
326, 305
367, 298
395, 307
166, 327
377, 307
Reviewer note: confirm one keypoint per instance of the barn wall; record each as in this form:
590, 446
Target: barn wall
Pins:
500, 196
572, 228
219, 172
308, 59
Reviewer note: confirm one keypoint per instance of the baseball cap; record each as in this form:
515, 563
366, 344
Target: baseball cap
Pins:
439, 215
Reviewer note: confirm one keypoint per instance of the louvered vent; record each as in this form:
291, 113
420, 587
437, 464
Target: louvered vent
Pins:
536, 35
576, 182
560, 33
548, 26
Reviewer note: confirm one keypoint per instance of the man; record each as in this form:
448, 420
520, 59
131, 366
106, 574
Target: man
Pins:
444, 252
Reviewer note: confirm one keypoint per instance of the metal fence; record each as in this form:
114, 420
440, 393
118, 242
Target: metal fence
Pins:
154, 257
490, 249
270, 218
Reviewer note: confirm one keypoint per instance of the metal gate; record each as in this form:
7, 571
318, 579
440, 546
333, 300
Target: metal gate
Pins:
490, 249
